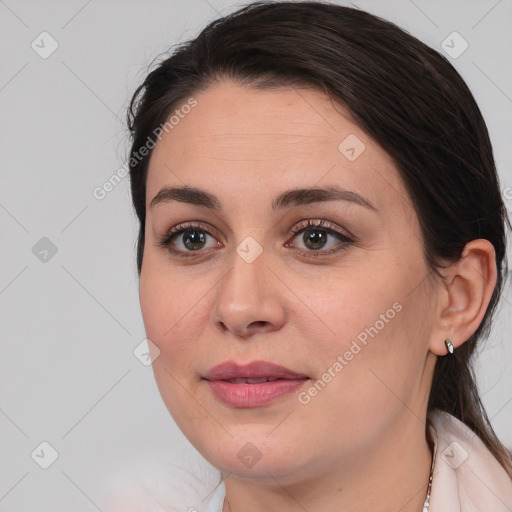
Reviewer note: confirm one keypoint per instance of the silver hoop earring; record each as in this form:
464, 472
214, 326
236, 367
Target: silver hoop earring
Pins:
449, 345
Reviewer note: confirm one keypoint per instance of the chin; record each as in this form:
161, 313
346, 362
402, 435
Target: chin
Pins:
257, 458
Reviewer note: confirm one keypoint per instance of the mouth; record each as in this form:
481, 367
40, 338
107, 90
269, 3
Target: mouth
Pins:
253, 385
240, 380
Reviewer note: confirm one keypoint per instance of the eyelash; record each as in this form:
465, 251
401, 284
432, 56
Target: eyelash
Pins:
167, 239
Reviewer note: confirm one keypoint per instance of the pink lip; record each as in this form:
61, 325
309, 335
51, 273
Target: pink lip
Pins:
252, 394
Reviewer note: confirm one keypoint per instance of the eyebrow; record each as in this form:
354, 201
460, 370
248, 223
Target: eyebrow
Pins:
287, 199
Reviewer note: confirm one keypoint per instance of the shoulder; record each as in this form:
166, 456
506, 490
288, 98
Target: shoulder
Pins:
466, 475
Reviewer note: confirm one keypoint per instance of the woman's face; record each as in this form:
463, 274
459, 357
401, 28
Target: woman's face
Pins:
343, 305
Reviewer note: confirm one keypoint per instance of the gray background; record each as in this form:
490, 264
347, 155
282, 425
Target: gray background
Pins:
70, 321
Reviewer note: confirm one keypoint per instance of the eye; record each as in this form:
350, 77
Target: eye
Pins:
188, 238
319, 238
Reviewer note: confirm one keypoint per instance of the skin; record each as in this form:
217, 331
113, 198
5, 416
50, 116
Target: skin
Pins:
363, 434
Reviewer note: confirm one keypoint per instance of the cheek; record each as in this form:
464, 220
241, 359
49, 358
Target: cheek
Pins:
174, 312
353, 306
373, 337
170, 311
376, 303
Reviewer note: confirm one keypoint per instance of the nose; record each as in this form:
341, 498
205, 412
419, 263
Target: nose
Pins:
249, 298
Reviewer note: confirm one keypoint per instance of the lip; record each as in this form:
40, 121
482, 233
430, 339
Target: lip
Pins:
241, 394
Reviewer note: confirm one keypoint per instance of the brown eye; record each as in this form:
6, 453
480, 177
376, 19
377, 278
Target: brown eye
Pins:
319, 238
193, 239
184, 240
315, 238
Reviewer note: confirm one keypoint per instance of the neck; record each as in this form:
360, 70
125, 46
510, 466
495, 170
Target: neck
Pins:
391, 475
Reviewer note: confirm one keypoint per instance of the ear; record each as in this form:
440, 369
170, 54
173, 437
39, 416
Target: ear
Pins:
463, 300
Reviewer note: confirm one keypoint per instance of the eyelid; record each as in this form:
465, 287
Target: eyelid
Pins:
325, 224
183, 226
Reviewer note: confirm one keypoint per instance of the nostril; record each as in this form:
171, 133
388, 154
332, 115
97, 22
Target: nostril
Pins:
258, 323
222, 325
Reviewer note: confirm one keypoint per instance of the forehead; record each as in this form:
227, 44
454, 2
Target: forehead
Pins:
235, 138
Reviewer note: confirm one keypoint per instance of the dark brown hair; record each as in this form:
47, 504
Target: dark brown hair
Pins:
402, 93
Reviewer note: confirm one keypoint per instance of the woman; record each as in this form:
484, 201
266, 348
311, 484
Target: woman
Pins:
321, 249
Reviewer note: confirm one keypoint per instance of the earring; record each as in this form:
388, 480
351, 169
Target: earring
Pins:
449, 345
